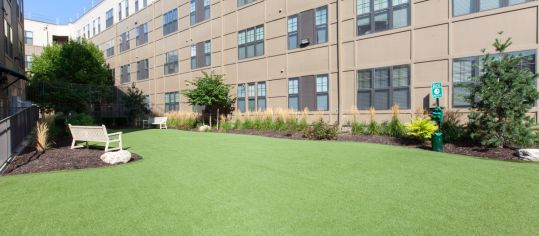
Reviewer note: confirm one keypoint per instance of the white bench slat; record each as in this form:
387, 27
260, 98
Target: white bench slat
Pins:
94, 134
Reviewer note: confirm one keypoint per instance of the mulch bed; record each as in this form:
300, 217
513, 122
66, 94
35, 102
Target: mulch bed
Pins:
59, 158
462, 148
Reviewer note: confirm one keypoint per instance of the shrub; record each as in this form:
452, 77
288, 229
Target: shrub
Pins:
237, 124
321, 130
225, 124
182, 120
81, 119
279, 124
421, 128
452, 129
359, 128
42, 136
248, 124
395, 128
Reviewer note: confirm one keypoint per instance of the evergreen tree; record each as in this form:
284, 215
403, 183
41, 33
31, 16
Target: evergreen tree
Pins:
134, 103
500, 98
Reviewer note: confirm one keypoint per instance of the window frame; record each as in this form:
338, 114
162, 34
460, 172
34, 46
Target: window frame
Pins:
390, 87
475, 6
110, 18
142, 34
125, 74
143, 69
241, 95
373, 13
170, 22
243, 45
172, 101
174, 62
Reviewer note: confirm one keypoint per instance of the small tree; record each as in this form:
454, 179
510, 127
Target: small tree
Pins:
70, 77
134, 103
500, 98
212, 92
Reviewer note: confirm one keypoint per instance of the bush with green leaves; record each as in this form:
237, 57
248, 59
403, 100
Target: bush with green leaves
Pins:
211, 91
500, 99
395, 128
421, 128
358, 128
452, 129
80, 119
320, 130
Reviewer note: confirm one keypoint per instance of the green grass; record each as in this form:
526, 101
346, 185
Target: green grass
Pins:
218, 184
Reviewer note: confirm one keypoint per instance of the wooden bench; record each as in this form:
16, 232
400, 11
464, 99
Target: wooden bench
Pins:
95, 134
158, 121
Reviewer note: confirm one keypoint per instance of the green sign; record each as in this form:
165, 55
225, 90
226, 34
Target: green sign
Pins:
437, 90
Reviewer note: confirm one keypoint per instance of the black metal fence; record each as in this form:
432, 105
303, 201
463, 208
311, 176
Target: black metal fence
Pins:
13, 130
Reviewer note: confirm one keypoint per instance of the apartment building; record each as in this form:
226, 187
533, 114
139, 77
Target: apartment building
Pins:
329, 56
12, 85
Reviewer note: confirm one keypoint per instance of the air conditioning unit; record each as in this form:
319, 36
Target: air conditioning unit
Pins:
305, 42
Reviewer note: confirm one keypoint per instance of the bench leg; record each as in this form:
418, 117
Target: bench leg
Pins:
73, 144
121, 143
107, 146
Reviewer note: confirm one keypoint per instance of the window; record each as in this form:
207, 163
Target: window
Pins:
119, 11
241, 98
136, 6
322, 98
172, 101
144, 3
29, 37
251, 42
94, 25
464, 69
201, 54
124, 41
380, 15
142, 34
464, 7
293, 94
261, 96
143, 70
148, 102
88, 29
8, 38
28, 61
109, 48
170, 22
126, 3
98, 25
251, 92
171, 62
384, 87
244, 2
308, 92
308, 28
125, 73
110, 18
199, 10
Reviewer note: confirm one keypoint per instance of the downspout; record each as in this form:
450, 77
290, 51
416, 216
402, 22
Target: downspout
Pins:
339, 72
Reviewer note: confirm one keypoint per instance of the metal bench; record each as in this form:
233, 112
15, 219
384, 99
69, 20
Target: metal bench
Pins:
95, 134
157, 121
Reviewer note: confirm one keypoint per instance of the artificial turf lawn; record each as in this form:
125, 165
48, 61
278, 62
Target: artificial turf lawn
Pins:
219, 184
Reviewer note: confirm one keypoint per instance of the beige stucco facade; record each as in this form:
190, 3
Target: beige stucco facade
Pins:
429, 45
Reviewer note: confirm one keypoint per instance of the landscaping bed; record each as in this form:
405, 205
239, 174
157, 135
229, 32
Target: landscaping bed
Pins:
461, 148
56, 159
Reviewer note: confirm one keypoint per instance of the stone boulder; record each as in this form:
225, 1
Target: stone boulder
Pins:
112, 158
529, 154
204, 128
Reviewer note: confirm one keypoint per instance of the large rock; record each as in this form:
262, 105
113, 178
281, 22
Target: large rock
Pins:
529, 154
116, 157
204, 128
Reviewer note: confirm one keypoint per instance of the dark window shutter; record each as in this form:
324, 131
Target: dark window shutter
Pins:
306, 28
200, 10
307, 90
200, 54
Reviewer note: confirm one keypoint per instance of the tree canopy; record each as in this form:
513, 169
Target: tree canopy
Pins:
69, 77
212, 92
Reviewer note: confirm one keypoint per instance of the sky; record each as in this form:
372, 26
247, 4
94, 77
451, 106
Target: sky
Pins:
56, 11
